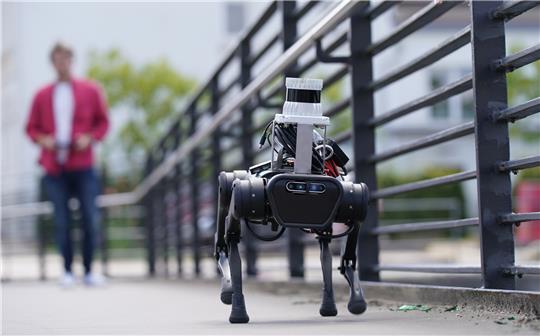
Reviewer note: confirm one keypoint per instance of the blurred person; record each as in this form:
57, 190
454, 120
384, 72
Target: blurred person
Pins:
66, 118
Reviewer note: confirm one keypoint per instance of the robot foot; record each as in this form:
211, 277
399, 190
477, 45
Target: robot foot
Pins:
357, 306
328, 309
238, 312
226, 291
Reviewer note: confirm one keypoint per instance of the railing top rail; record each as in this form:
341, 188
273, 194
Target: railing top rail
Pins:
334, 15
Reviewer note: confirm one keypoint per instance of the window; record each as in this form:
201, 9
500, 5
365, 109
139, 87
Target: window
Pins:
467, 106
440, 110
235, 16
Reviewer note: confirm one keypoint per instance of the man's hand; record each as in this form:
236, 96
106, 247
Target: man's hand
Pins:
46, 141
83, 141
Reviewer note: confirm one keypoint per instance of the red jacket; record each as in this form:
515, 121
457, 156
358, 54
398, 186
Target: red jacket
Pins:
89, 116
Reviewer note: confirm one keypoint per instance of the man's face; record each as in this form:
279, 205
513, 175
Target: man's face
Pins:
62, 64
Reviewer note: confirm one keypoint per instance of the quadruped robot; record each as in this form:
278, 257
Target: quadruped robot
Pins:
301, 187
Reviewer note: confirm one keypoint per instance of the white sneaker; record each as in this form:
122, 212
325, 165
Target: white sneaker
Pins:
67, 280
94, 280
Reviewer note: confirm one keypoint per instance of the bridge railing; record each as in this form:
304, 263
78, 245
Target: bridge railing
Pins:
217, 129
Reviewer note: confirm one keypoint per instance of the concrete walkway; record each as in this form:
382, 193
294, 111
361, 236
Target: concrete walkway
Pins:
193, 307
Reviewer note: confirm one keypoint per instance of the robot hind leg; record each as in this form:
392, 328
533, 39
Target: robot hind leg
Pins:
225, 183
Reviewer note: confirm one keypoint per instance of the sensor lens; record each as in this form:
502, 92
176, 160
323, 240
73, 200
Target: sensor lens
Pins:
316, 187
296, 186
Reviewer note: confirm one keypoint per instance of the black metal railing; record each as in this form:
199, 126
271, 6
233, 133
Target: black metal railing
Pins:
188, 157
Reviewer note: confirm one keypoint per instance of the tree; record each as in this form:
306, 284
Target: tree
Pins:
523, 85
152, 94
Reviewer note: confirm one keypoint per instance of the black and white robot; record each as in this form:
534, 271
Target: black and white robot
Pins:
301, 187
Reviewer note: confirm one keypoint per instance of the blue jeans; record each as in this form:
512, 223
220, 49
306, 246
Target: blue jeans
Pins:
84, 186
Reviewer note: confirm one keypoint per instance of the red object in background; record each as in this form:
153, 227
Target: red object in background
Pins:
528, 200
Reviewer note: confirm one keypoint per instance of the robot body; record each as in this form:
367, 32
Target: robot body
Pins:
298, 189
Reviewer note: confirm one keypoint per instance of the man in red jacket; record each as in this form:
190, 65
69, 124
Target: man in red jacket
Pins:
66, 118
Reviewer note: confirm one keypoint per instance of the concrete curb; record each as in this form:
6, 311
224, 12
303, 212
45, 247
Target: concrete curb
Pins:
497, 301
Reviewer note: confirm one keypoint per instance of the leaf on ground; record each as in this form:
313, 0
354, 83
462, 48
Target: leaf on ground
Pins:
500, 322
414, 307
451, 309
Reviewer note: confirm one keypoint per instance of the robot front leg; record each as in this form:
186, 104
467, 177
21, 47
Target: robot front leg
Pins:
328, 305
357, 304
238, 310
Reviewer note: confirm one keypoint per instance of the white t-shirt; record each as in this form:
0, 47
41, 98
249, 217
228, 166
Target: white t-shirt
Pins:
63, 104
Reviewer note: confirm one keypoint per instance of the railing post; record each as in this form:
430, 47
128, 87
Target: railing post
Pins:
163, 203
492, 146
42, 237
103, 228
194, 186
216, 147
178, 202
362, 105
148, 219
247, 148
104, 240
295, 236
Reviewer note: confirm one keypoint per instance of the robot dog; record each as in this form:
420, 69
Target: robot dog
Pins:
301, 187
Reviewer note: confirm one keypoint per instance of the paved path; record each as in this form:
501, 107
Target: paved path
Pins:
193, 307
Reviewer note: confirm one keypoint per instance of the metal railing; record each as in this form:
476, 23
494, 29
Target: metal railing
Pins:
486, 34
218, 126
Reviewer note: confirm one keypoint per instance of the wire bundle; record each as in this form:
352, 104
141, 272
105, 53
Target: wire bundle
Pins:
285, 134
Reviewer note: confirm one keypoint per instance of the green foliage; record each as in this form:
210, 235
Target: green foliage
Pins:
454, 190
531, 174
342, 121
523, 85
152, 93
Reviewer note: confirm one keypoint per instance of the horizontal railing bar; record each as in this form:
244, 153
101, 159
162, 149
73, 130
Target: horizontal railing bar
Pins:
519, 59
437, 181
376, 10
427, 141
274, 92
266, 47
334, 16
513, 165
525, 269
344, 136
45, 208
429, 269
230, 86
336, 76
519, 217
415, 227
261, 20
337, 107
330, 48
463, 37
421, 18
511, 9
430, 99
305, 9
520, 111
